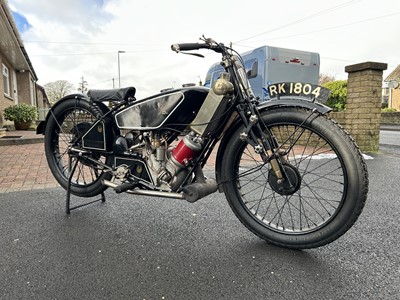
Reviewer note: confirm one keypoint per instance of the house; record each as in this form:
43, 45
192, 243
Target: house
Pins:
18, 80
393, 89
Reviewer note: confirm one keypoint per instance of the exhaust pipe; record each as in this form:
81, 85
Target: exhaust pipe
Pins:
198, 190
146, 192
191, 192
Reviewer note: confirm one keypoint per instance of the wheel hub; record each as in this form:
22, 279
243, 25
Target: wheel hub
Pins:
291, 182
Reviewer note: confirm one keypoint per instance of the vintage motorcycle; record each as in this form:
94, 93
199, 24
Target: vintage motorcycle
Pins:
291, 175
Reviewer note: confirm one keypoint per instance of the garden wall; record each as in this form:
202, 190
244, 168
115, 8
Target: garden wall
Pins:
362, 116
390, 118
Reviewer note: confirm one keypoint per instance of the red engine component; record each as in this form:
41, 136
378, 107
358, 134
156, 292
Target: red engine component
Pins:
186, 150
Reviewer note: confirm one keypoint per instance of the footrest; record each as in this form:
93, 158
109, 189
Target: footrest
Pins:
125, 186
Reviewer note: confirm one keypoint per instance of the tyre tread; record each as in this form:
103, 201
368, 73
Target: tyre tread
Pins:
363, 187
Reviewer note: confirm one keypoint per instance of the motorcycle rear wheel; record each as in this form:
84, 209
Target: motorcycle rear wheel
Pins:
67, 121
326, 190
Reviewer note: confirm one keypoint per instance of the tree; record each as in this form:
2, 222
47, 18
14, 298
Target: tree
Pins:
57, 89
82, 86
324, 78
338, 97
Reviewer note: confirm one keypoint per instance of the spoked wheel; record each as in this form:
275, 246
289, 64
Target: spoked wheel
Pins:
325, 184
68, 122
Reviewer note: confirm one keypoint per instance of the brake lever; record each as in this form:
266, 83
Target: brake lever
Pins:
194, 54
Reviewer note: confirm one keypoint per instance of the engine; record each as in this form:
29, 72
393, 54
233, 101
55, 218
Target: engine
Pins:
169, 165
148, 157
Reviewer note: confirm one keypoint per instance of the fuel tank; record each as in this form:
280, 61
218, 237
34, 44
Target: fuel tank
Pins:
177, 106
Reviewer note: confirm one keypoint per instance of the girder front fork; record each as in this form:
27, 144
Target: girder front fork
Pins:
263, 145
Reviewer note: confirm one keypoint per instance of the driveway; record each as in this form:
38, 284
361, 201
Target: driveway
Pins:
132, 247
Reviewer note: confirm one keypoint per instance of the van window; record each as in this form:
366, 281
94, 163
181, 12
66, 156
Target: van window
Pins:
251, 67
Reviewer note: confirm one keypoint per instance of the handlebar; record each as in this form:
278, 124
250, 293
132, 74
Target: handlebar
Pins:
235, 63
188, 46
194, 46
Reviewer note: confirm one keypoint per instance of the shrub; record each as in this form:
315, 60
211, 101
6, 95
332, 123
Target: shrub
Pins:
338, 97
20, 113
387, 109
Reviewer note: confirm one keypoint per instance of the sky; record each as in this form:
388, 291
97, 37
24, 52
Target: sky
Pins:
71, 39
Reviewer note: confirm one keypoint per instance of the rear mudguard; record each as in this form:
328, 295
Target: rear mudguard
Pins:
268, 105
94, 139
42, 125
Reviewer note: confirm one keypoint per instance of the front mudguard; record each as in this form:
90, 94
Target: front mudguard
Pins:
268, 105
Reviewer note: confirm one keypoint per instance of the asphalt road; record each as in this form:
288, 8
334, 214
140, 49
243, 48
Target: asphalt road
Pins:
134, 247
389, 137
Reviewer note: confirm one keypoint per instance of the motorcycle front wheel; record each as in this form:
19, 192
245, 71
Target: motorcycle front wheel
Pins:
66, 124
324, 191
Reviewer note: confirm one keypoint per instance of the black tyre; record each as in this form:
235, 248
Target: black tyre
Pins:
67, 121
328, 181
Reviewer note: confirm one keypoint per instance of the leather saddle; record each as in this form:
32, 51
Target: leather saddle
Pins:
113, 95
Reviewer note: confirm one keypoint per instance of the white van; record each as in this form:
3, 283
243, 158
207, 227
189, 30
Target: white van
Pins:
268, 65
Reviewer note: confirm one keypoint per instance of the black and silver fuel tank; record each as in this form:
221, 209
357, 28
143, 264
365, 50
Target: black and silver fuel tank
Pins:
177, 106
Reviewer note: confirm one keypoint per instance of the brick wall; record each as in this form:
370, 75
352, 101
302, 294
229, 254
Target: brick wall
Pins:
362, 116
25, 86
4, 100
24, 82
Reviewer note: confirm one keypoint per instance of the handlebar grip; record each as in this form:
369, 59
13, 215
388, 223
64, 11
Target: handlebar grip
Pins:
188, 46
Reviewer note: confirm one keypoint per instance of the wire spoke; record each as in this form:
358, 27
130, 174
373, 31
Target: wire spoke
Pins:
322, 182
71, 125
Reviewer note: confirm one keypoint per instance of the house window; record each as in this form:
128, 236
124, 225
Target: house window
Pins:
6, 81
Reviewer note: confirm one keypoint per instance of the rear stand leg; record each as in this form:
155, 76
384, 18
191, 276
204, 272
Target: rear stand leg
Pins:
68, 207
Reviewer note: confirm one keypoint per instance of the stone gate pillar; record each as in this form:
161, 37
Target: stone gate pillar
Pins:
363, 107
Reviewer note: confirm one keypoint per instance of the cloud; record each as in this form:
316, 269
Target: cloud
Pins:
68, 39
76, 14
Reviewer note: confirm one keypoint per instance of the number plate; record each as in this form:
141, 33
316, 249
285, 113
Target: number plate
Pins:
299, 89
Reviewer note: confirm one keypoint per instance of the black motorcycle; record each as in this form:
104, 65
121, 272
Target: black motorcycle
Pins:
291, 175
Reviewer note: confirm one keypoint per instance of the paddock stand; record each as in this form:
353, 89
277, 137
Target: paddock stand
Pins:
68, 200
